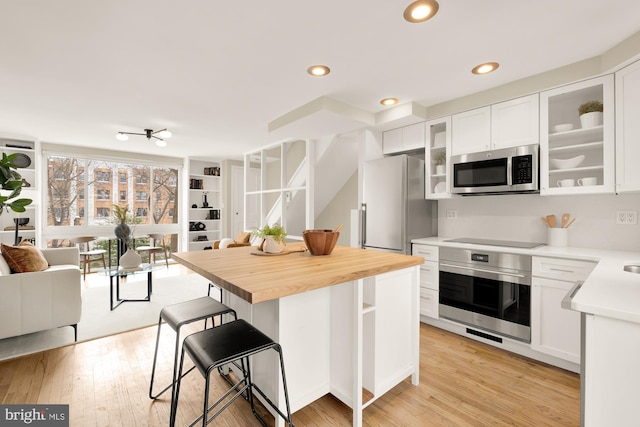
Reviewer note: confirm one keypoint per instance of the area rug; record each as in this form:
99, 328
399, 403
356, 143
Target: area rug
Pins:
99, 321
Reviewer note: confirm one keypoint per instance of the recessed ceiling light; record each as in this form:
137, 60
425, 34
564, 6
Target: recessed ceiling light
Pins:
318, 70
485, 68
421, 10
389, 101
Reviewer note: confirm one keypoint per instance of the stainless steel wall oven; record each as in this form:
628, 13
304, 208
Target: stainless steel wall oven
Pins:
488, 290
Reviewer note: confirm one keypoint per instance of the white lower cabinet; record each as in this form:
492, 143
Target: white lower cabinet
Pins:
429, 280
554, 330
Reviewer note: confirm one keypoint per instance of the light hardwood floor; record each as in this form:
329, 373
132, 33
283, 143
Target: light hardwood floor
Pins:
462, 383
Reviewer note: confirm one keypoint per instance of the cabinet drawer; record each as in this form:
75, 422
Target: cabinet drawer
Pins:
561, 269
429, 253
429, 303
429, 275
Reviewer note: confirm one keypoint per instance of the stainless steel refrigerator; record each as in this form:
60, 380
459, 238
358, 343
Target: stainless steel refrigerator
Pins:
394, 209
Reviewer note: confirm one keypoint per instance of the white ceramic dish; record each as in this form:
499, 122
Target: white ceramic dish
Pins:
440, 187
562, 128
567, 163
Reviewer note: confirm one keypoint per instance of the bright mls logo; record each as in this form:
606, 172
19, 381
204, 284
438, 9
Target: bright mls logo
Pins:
34, 415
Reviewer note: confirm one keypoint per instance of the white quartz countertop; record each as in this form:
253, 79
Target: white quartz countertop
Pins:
608, 291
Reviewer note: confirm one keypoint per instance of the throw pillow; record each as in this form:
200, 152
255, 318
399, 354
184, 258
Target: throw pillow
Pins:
242, 237
24, 258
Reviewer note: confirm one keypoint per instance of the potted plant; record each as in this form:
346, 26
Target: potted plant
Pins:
11, 180
273, 238
590, 114
440, 159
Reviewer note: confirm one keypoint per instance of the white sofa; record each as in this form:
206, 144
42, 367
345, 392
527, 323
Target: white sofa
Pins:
32, 302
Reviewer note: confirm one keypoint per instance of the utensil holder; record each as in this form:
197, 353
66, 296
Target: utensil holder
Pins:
557, 237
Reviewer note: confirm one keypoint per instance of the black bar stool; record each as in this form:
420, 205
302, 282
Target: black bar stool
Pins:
211, 349
178, 315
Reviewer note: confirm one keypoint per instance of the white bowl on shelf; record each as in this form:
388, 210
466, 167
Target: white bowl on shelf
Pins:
567, 163
440, 187
562, 127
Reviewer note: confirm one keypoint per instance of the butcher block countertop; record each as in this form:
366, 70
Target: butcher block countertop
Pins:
259, 278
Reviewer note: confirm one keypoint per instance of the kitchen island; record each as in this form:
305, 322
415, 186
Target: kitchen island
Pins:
348, 322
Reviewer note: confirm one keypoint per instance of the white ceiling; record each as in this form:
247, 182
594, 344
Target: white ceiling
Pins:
216, 73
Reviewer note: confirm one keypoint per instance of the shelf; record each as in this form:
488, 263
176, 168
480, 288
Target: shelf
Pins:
577, 147
204, 189
438, 175
581, 169
199, 175
577, 134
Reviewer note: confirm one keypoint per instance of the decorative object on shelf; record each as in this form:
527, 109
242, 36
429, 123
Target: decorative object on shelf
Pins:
590, 114
149, 133
213, 171
214, 214
195, 184
22, 160
564, 127
25, 183
205, 203
587, 181
201, 238
11, 180
567, 163
440, 187
439, 139
194, 206
273, 238
440, 159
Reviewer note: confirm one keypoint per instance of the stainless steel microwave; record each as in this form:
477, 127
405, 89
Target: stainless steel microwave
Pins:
507, 170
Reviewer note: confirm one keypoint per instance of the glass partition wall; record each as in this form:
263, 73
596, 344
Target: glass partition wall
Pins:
276, 188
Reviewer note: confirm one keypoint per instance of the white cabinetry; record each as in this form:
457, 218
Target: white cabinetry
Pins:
595, 145
429, 279
628, 129
408, 138
506, 124
555, 330
437, 152
205, 204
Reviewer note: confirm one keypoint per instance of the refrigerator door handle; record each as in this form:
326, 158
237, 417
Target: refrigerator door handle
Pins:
363, 224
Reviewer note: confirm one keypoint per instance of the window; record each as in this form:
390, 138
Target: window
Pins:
103, 176
103, 195
80, 199
103, 212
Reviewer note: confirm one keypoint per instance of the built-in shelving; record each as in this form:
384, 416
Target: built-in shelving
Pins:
205, 203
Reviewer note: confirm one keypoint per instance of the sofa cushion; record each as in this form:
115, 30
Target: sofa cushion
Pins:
24, 258
242, 237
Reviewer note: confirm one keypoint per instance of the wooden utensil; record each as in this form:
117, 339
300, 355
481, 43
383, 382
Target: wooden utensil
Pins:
565, 220
544, 220
551, 221
338, 228
569, 225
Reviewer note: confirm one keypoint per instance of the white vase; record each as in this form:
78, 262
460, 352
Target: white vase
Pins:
130, 259
439, 169
271, 246
590, 120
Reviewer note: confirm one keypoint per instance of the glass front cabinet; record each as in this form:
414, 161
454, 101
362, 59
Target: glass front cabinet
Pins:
577, 150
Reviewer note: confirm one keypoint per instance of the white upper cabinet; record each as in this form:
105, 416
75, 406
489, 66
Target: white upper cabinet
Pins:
577, 157
506, 124
515, 122
408, 138
471, 131
628, 129
436, 154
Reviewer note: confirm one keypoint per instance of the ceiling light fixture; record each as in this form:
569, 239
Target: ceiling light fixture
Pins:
318, 70
421, 10
164, 133
389, 101
485, 68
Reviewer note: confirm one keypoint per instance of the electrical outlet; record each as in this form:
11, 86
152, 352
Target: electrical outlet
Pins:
632, 217
621, 217
452, 214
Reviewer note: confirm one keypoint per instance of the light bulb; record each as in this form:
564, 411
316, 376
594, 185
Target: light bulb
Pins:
161, 143
121, 136
166, 133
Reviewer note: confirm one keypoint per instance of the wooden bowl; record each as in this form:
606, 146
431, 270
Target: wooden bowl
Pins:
320, 242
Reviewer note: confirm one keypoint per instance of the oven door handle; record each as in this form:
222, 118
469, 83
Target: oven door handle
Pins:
502, 273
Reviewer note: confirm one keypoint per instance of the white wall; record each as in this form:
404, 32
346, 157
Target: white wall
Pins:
517, 217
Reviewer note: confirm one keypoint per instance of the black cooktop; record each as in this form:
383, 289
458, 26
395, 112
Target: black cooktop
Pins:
507, 243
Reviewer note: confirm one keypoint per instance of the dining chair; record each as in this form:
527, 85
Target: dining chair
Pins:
156, 245
87, 253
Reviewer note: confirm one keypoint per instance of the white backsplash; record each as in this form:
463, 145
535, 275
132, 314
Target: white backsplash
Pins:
518, 217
